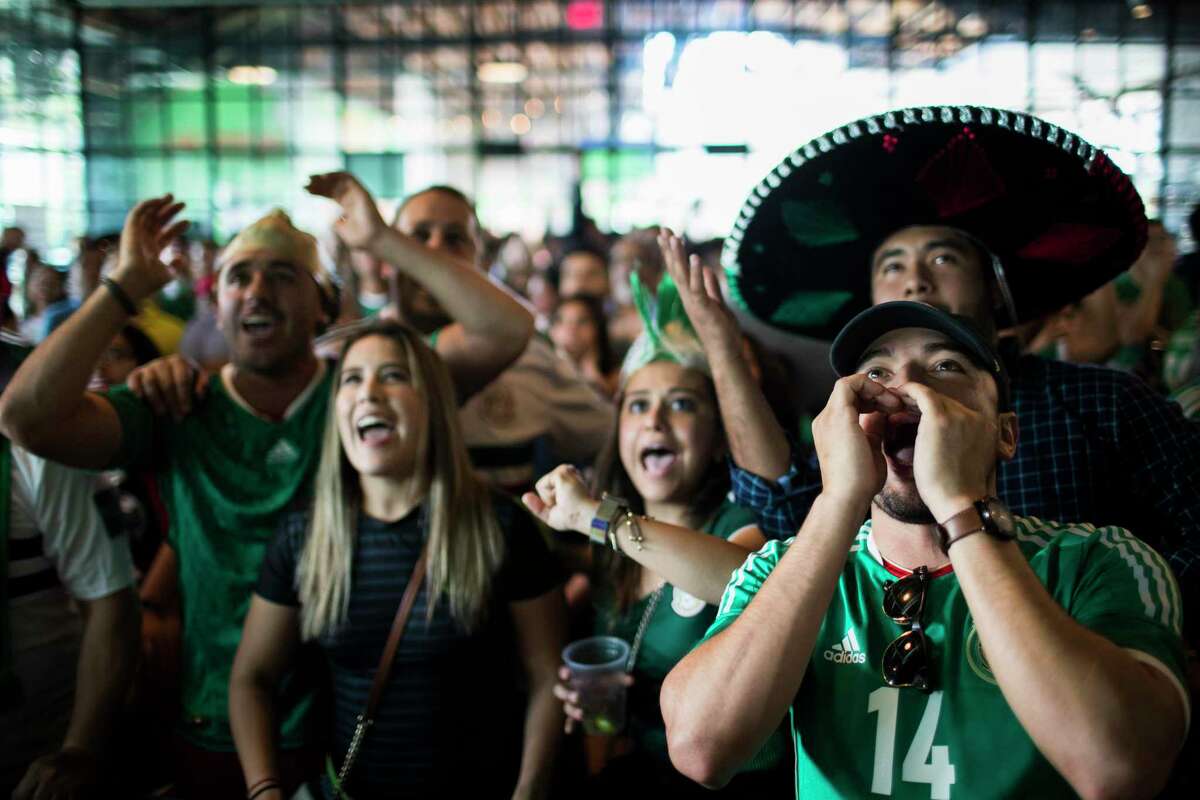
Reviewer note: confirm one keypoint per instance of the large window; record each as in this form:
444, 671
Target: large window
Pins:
652, 110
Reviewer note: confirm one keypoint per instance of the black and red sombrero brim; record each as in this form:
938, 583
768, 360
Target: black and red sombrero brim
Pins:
1060, 216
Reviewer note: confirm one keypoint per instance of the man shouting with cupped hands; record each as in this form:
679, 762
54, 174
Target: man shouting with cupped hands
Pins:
943, 648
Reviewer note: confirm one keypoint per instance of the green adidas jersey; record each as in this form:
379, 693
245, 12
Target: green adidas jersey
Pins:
857, 737
225, 475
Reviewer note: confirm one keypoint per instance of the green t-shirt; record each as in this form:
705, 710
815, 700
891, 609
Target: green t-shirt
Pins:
857, 737
678, 624
225, 475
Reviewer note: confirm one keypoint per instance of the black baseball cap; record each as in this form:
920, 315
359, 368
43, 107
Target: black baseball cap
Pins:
859, 333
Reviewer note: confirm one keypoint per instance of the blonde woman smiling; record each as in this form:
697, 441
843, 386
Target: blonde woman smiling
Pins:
394, 485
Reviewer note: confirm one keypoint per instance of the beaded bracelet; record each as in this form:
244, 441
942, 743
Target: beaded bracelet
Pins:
635, 531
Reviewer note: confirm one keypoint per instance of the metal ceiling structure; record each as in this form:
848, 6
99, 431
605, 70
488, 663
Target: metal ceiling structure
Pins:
226, 100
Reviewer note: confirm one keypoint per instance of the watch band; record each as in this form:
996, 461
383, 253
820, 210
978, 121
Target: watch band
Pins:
947, 542
609, 511
976, 518
962, 524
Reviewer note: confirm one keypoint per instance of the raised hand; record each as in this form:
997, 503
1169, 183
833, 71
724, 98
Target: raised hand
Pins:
848, 438
361, 223
954, 454
701, 294
149, 228
561, 500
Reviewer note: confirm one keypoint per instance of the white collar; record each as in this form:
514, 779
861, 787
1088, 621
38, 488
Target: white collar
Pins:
293, 407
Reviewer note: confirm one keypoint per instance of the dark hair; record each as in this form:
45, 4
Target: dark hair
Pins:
621, 573
606, 359
457, 194
1194, 222
573, 246
144, 350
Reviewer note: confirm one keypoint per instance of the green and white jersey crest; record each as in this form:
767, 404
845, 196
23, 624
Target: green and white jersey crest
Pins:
857, 737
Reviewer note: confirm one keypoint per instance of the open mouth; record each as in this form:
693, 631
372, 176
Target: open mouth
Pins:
373, 430
259, 325
900, 438
658, 460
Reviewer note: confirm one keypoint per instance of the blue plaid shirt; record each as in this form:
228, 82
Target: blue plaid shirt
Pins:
1096, 445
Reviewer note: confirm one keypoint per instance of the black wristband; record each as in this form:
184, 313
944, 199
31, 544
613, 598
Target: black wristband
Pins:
263, 786
260, 782
120, 295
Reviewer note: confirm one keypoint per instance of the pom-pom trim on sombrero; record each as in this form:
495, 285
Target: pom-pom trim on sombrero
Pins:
813, 300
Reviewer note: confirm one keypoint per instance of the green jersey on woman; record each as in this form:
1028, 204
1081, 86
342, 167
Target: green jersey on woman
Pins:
855, 736
678, 621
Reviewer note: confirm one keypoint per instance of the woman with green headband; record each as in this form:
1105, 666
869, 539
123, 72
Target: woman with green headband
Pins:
668, 538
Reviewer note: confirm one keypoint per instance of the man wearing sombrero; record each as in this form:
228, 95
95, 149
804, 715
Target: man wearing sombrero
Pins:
993, 214
943, 648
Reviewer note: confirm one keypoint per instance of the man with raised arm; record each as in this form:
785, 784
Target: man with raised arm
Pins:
943, 648
248, 448
539, 411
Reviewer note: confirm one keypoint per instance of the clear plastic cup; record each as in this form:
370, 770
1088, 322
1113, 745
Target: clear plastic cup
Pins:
597, 667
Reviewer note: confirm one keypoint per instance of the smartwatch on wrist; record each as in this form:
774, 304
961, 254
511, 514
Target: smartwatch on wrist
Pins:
988, 515
610, 510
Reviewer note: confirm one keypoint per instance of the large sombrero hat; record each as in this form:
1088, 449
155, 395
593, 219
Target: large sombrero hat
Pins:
1059, 216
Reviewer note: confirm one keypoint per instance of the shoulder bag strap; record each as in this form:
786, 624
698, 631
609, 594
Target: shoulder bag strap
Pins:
384, 670
398, 624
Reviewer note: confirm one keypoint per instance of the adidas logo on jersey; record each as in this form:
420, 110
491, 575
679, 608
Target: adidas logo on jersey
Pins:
846, 651
284, 452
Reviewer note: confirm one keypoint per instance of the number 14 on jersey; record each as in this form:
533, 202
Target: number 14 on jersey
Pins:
924, 762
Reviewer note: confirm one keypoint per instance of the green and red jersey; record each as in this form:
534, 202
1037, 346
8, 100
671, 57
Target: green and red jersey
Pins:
857, 737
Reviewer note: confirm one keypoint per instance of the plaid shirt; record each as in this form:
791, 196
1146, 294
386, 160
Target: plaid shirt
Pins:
1096, 445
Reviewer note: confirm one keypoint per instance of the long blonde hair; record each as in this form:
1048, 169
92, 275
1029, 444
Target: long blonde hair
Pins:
463, 538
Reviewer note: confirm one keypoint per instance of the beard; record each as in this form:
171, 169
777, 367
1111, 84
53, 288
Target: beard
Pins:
906, 507
418, 308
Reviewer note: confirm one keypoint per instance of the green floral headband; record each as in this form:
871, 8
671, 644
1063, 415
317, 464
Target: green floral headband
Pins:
667, 333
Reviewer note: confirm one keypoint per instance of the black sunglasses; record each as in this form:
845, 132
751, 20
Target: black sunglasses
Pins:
906, 661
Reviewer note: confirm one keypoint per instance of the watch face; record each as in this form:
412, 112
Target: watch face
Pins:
1000, 516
